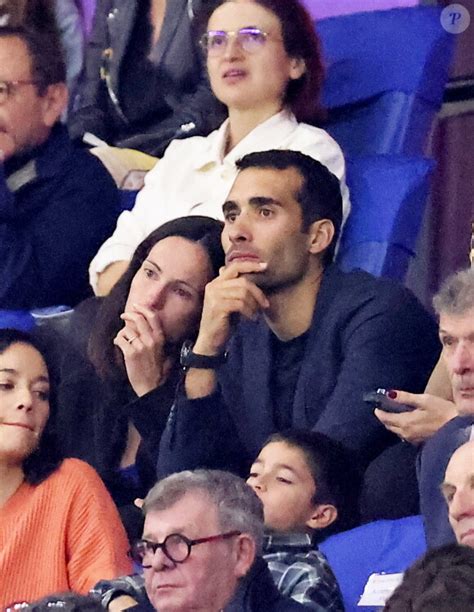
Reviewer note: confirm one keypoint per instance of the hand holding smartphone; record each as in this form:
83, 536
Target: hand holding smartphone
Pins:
381, 399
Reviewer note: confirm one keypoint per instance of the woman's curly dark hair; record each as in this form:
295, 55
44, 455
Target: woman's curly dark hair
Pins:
47, 456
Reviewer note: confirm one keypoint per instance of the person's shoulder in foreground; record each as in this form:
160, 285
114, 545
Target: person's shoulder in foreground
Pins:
255, 593
441, 580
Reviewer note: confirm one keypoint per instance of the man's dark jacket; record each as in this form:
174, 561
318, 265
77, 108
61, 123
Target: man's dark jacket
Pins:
256, 593
366, 333
57, 205
432, 465
183, 97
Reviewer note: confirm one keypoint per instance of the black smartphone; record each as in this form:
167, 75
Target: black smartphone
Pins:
380, 399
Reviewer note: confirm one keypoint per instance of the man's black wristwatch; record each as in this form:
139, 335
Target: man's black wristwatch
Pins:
188, 359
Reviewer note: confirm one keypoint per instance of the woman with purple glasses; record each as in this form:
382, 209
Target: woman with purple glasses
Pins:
264, 65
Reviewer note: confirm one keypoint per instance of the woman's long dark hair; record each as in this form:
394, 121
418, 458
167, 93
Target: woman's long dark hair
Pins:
105, 357
47, 457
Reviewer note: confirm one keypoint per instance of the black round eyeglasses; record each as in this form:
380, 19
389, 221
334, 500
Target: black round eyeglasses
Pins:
175, 546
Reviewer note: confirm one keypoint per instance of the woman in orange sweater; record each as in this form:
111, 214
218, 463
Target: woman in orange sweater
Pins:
59, 529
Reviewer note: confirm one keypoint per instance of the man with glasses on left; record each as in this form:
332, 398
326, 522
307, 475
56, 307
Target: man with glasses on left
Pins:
57, 203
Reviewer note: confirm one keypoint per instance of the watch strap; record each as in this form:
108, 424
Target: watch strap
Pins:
190, 359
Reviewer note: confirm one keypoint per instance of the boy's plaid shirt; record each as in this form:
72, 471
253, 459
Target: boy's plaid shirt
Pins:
302, 572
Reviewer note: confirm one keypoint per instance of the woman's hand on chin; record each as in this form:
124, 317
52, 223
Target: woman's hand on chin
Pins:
142, 343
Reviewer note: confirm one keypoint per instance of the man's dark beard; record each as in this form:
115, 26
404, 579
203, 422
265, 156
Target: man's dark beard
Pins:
273, 287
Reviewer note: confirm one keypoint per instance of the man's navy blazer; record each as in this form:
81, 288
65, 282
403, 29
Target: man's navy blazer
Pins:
366, 333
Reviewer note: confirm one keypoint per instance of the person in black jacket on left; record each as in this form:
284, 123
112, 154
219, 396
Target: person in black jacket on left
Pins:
120, 366
144, 81
57, 202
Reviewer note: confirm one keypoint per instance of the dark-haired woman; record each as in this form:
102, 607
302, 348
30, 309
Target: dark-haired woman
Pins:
264, 65
59, 529
119, 378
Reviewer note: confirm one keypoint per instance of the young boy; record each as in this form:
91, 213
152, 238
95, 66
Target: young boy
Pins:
308, 487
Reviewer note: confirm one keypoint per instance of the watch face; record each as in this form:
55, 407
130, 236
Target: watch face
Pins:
186, 350
188, 359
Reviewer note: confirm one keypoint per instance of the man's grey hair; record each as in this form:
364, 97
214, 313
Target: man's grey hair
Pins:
238, 507
456, 295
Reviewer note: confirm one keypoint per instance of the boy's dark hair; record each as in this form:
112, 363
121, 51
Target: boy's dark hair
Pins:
39, 33
334, 472
441, 580
47, 457
320, 194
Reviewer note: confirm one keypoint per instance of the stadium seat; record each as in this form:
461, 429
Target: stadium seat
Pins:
388, 195
17, 319
320, 9
53, 317
380, 547
386, 73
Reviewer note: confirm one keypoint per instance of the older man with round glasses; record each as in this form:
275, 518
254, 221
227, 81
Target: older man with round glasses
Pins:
202, 536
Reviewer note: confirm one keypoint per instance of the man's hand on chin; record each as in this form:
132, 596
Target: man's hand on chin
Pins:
230, 293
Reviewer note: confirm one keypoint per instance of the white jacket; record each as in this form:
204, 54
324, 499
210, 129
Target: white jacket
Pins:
193, 178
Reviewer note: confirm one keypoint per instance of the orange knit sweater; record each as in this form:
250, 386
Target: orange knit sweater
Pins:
63, 534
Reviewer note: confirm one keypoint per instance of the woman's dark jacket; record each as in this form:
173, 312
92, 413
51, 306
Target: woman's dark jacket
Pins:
94, 414
131, 96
